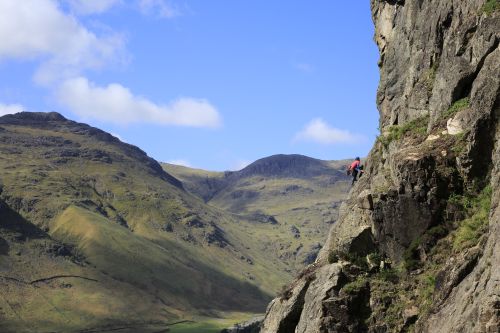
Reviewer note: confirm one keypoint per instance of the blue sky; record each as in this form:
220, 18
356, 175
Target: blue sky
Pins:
213, 84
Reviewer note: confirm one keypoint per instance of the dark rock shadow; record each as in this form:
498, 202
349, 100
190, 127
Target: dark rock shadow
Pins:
11, 221
4, 247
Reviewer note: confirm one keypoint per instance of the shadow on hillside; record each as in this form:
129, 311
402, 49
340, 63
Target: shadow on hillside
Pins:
11, 221
210, 290
229, 293
4, 247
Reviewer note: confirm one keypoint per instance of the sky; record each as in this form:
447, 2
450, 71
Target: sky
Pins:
208, 84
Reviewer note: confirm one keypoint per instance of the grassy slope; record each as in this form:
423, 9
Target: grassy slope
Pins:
202, 183
309, 204
157, 252
80, 296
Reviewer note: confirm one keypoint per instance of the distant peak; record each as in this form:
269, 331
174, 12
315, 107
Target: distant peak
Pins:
283, 160
284, 166
287, 157
32, 117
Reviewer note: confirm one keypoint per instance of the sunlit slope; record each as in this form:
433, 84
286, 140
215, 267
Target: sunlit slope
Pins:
292, 199
47, 286
176, 276
132, 224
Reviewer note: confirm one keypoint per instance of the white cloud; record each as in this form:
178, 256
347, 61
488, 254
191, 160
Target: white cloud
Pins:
39, 30
87, 7
116, 104
319, 131
10, 108
159, 8
180, 162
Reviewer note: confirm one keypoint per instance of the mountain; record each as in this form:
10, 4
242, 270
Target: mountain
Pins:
290, 166
416, 247
95, 234
294, 196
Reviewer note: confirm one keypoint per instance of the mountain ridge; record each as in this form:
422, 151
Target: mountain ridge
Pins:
106, 225
296, 195
277, 166
54, 119
283, 166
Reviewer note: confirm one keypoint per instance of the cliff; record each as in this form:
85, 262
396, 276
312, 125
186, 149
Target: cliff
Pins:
416, 245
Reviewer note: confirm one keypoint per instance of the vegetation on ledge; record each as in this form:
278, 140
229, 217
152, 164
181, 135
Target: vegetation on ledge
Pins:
456, 107
470, 230
490, 6
416, 127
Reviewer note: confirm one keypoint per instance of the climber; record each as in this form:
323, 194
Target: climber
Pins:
354, 169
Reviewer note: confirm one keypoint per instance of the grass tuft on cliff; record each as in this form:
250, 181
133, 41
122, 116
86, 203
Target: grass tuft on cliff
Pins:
429, 77
490, 6
456, 107
355, 286
471, 229
417, 127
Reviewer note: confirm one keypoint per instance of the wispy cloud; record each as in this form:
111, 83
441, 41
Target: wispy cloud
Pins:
240, 164
181, 162
159, 8
10, 108
304, 67
87, 7
115, 103
39, 30
318, 131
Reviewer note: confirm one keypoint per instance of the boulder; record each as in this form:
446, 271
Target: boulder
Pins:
454, 126
365, 200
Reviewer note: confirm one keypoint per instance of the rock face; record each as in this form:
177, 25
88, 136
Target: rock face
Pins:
427, 210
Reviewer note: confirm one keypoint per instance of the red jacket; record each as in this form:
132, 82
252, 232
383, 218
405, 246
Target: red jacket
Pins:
354, 165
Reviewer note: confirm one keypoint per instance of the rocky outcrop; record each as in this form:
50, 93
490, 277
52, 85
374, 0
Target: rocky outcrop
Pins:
284, 312
417, 240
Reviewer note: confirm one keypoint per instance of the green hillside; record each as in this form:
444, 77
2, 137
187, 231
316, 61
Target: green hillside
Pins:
95, 235
293, 199
115, 238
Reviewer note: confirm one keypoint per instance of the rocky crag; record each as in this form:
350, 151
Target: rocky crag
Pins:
416, 247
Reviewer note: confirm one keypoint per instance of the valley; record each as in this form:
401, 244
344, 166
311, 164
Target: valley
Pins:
95, 234
293, 200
